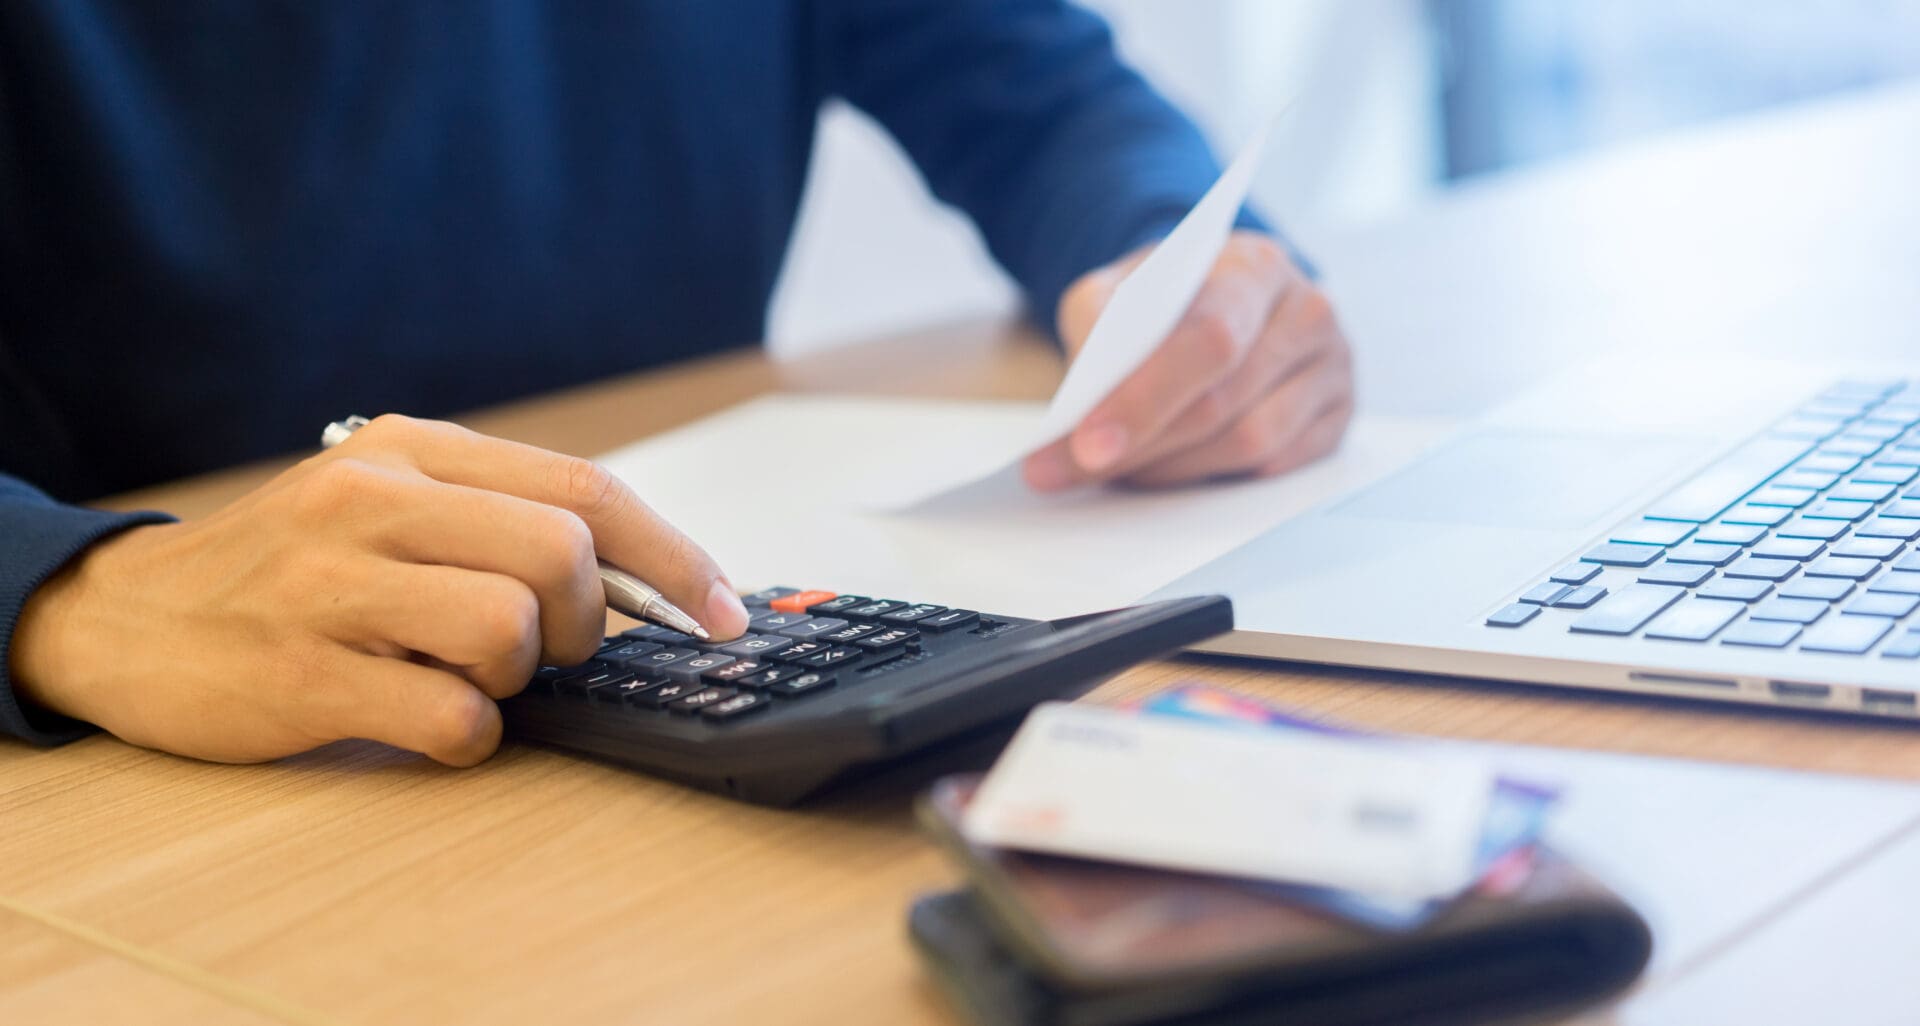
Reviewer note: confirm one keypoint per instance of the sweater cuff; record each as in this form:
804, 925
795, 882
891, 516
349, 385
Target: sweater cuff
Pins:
43, 537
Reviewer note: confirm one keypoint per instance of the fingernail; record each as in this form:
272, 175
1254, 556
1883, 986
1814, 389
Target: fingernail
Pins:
726, 617
1100, 446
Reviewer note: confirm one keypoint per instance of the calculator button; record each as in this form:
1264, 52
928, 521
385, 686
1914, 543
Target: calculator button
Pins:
770, 623
889, 639
665, 694
630, 653
765, 596
700, 700
798, 651
647, 632
872, 609
811, 627
589, 684
733, 671
755, 645
912, 613
834, 656
691, 669
769, 676
739, 705
953, 619
800, 602
666, 657
833, 606
850, 633
631, 690
804, 683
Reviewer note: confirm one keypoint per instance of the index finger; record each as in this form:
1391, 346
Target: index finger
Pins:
626, 531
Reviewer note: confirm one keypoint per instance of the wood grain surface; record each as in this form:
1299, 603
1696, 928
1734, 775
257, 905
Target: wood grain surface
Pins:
361, 884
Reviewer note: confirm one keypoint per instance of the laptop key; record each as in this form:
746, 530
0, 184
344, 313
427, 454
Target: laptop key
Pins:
1813, 429
1845, 635
1724, 533
1712, 490
1841, 566
1704, 552
1825, 589
1899, 582
1733, 589
1885, 473
1765, 516
1581, 597
1910, 561
1692, 620
1814, 479
1686, 575
1889, 527
1576, 573
1761, 634
1826, 464
1622, 554
1763, 569
1837, 509
1801, 527
1882, 603
1904, 509
1906, 646
1780, 495
1789, 610
1789, 548
1650, 532
1857, 490
1626, 610
1869, 548
1544, 594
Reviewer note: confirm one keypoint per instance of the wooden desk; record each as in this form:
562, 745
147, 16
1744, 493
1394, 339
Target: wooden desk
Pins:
359, 884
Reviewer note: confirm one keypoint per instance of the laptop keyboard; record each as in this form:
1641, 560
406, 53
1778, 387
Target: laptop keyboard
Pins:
1801, 538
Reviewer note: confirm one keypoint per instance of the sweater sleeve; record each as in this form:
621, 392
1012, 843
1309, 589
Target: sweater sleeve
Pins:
1020, 113
38, 536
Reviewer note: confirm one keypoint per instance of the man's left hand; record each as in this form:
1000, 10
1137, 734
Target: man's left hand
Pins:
1256, 379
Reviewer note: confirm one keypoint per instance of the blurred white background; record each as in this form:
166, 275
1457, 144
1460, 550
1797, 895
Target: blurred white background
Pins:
1391, 99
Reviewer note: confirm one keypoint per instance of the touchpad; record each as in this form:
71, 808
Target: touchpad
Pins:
1513, 479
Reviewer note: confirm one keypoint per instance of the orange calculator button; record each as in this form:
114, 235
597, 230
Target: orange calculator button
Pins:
799, 601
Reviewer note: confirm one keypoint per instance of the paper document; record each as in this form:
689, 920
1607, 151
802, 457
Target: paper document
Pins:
778, 507
1142, 310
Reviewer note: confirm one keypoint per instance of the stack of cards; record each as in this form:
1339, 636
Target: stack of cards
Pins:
1376, 831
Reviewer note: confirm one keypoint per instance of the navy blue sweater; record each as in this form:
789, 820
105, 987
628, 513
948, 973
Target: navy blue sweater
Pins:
253, 216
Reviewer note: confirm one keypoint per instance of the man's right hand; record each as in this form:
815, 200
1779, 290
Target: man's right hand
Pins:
390, 588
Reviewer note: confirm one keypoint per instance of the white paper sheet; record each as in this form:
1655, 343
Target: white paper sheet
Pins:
1143, 309
778, 507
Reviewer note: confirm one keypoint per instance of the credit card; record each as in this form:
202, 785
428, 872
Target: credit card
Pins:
1395, 823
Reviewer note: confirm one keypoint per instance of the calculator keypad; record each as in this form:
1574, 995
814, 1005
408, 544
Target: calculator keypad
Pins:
799, 642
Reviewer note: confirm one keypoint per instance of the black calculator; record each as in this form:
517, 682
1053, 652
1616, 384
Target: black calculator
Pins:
822, 684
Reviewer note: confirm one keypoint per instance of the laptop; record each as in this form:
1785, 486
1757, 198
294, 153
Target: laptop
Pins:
1715, 528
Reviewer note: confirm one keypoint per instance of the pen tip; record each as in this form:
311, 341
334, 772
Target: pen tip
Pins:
701, 633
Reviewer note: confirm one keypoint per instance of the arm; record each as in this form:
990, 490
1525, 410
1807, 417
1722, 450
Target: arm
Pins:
42, 537
1019, 112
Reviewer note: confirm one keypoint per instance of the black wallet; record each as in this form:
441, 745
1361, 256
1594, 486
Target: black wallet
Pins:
1036, 940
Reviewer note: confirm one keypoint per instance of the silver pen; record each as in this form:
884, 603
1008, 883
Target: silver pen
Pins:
626, 593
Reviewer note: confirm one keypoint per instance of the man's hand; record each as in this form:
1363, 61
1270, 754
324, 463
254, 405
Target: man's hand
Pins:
390, 588
1255, 380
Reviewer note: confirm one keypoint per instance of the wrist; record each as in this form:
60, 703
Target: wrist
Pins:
57, 639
